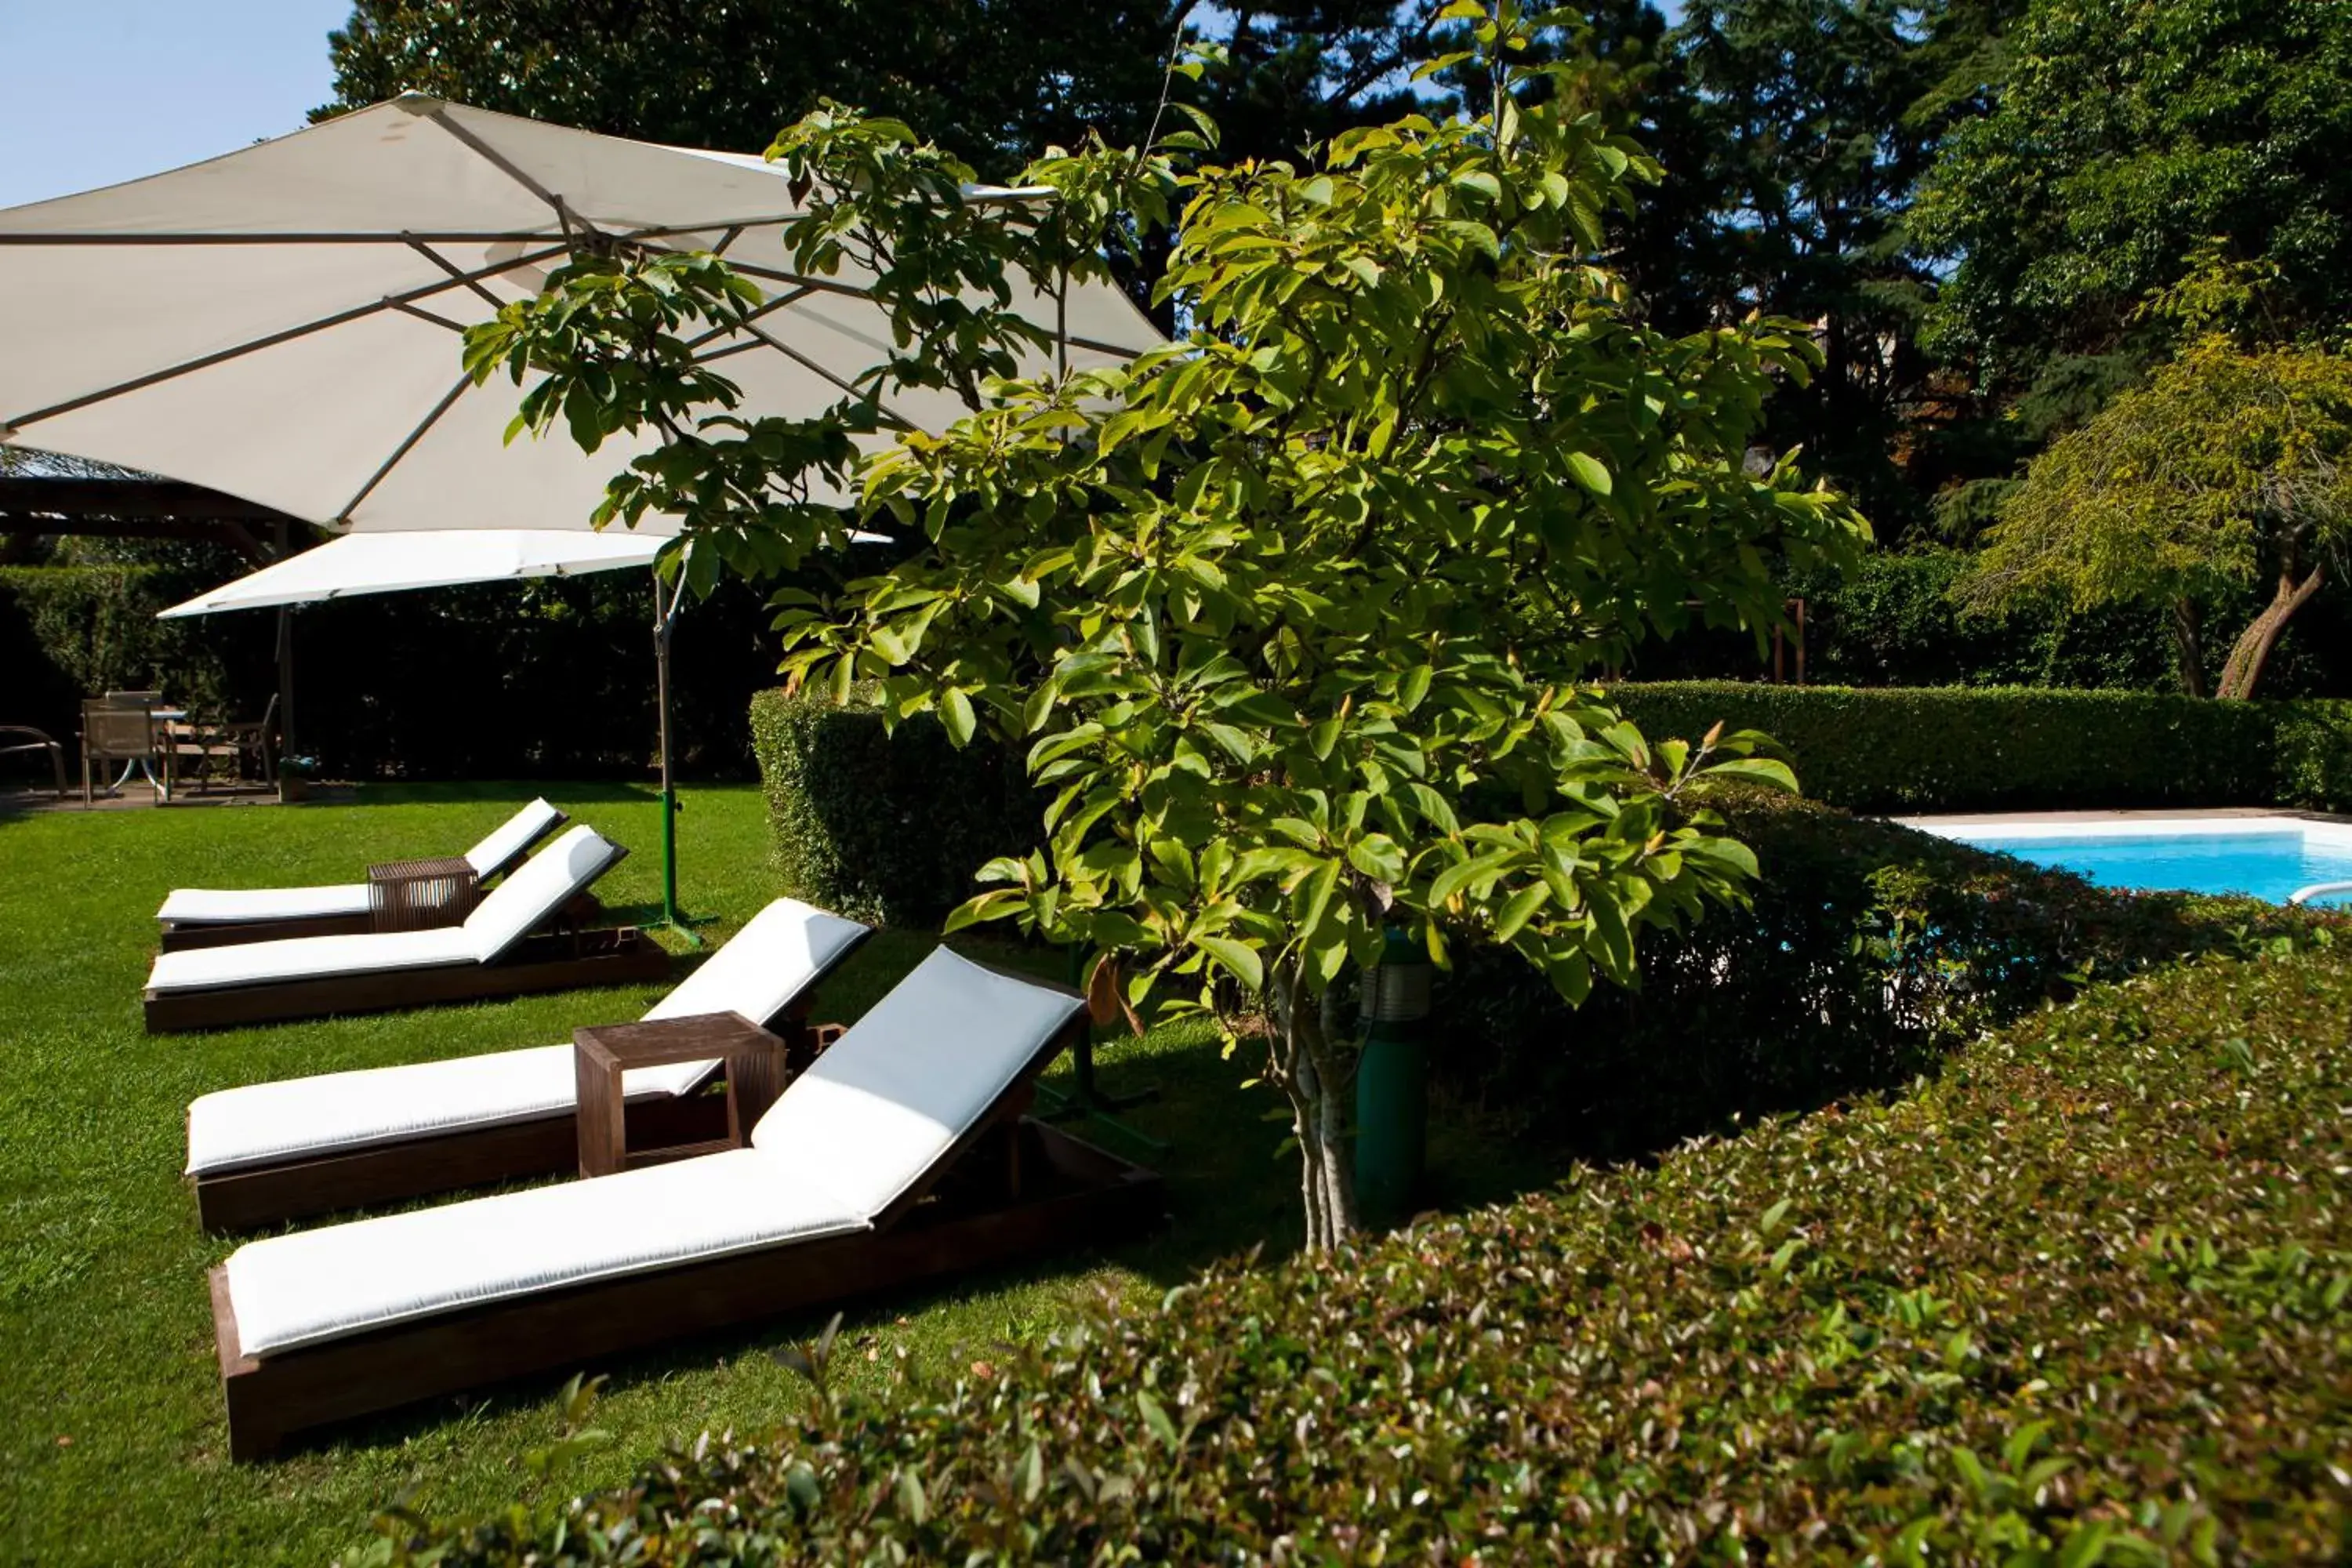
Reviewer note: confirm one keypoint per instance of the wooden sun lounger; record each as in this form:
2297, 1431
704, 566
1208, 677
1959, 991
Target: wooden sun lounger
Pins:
572, 960
180, 935
245, 1197
1006, 1188
522, 963
1070, 1194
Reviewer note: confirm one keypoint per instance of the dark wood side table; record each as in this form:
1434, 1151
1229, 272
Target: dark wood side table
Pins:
756, 1074
418, 895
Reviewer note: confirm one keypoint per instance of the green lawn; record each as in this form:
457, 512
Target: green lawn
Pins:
115, 1444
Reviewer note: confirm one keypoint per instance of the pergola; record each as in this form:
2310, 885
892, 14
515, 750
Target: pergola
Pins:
32, 505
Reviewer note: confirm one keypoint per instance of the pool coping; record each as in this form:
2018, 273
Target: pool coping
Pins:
2217, 821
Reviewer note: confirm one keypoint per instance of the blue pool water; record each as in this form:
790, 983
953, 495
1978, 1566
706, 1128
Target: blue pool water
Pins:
2268, 865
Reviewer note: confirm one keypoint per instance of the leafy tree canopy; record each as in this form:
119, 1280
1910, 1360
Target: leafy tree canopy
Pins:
1259, 604
994, 81
2126, 133
2226, 468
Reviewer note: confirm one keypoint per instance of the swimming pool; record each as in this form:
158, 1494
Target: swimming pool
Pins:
2269, 858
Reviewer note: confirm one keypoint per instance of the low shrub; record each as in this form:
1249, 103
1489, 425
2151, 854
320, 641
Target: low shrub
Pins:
2083, 1298
1868, 952
1944, 749
882, 827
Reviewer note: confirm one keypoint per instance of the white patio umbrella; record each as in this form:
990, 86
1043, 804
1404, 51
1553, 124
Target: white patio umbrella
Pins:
362, 564
282, 322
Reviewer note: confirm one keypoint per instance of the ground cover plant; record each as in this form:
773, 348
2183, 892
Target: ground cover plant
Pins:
2087, 1299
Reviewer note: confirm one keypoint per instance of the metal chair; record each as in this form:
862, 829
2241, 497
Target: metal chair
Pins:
32, 740
119, 734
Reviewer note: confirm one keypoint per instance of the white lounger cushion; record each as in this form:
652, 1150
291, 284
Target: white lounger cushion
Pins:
509, 838
868, 1122
894, 1092
309, 958
534, 890
316, 1285
222, 906
783, 950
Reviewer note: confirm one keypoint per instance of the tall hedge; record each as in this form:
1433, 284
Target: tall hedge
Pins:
1868, 951
881, 826
1950, 749
2087, 1299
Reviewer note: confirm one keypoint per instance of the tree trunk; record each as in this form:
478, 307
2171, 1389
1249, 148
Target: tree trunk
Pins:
2252, 649
2188, 646
1311, 1070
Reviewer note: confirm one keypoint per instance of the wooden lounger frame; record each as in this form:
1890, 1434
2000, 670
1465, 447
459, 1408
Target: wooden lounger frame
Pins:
179, 936
1009, 1188
555, 961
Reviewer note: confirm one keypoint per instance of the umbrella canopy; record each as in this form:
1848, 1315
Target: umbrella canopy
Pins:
282, 322
435, 558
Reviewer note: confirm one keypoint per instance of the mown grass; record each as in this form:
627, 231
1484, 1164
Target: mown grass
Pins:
110, 1426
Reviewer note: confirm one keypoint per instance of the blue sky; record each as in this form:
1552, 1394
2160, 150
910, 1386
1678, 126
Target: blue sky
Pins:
97, 91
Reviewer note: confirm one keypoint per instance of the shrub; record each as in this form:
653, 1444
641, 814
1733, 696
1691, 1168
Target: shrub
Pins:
1869, 952
881, 826
2082, 1300
1930, 748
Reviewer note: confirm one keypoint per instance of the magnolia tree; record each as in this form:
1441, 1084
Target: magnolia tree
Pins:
1289, 616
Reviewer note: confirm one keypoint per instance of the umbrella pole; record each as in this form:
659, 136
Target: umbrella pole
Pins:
665, 621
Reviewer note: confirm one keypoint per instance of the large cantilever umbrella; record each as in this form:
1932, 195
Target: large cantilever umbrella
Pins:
282, 323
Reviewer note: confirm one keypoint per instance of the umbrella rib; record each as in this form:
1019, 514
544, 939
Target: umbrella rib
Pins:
503, 165
449, 400
454, 270
324, 324
451, 236
826, 286
422, 314
811, 365
720, 331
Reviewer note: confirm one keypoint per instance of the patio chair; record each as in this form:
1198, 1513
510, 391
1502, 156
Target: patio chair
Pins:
263, 1153
120, 732
209, 917
20, 738
493, 954
900, 1155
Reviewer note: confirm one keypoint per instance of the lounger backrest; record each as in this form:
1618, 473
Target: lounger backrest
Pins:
785, 949
893, 1095
528, 898
509, 838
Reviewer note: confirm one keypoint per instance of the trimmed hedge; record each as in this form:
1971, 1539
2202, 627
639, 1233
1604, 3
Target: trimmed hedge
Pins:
1869, 951
1944, 748
880, 827
2083, 1299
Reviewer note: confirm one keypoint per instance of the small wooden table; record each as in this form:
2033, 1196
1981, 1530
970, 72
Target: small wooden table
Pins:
419, 895
756, 1072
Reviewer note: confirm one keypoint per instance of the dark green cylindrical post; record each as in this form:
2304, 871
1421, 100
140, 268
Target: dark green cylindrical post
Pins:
1391, 1080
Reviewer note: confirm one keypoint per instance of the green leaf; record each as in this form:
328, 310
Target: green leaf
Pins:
1521, 908
1239, 957
956, 714
1590, 472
